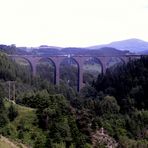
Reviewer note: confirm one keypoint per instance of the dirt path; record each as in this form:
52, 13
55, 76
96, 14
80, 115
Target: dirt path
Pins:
6, 143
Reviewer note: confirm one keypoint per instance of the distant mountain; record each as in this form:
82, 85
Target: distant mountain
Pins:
144, 52
112, 51
133, 45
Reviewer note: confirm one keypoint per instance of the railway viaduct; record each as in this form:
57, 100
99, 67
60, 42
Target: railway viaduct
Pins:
33, 60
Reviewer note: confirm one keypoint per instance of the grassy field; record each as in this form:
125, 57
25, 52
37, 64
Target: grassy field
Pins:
24, 128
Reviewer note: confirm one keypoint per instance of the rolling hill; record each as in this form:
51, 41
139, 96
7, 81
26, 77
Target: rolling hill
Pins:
118, 47
79, 51
133, 45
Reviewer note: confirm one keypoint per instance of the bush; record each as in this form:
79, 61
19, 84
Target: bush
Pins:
12, 112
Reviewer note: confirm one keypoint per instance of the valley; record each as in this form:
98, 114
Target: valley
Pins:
49, 115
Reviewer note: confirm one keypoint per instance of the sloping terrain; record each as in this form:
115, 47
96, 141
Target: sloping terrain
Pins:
7, 143
23, 129
133, 45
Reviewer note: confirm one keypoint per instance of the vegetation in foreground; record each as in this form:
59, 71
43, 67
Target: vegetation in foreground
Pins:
55, 116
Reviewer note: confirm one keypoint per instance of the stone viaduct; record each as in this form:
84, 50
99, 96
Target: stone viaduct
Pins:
33, 60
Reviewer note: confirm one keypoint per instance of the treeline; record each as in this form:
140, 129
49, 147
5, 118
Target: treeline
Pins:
11, 49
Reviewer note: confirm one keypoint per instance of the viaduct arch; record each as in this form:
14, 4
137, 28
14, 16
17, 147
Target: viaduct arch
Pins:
52, 63
33, 60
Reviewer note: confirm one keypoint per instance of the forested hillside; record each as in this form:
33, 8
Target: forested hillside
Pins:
119, 102
9, 70
111, 111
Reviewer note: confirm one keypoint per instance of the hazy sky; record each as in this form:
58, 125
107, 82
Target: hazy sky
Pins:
72, 22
